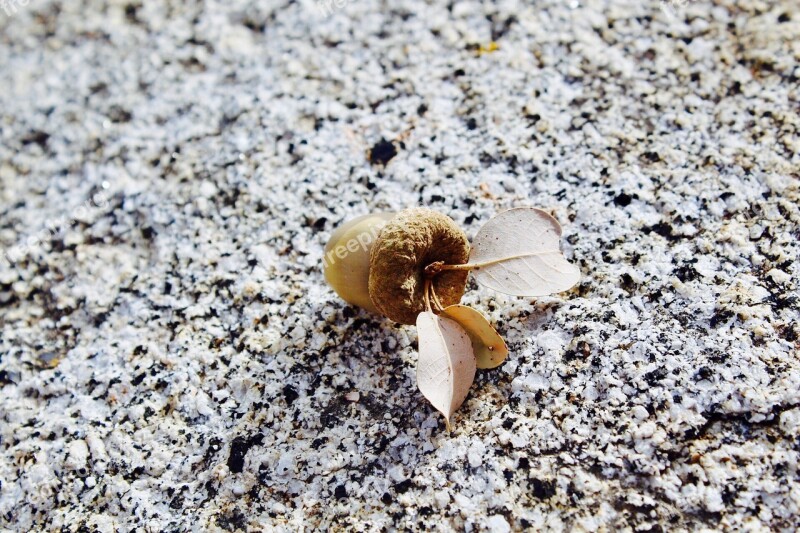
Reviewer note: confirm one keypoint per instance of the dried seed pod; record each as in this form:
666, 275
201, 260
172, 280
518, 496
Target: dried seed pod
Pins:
412, 240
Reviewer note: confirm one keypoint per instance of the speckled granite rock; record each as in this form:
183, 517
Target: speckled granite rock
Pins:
171, 359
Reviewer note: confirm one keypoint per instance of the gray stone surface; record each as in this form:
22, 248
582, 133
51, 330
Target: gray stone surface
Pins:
171, 359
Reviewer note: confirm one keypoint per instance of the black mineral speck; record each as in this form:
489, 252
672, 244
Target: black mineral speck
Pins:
654, 376
704, 373
663, 229
403, 486
36, 137
686, 273
623, 199
232, 521
177, 502
290, 394
148, 232
131, 13
7, 377
543, 489
239, 448
119, 115
340, 492
382, 152
627, 283
720, 317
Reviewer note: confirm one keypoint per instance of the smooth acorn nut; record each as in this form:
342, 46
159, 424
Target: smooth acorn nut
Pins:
412, 240
347, 258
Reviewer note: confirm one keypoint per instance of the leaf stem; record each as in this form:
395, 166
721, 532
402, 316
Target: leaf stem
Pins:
439, 266
436, 301
425, 296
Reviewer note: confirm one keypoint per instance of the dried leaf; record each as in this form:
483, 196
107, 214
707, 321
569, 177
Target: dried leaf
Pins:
489, 347
446, 366
517, 252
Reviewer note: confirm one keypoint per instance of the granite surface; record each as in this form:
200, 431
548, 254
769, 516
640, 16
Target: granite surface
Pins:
171, 359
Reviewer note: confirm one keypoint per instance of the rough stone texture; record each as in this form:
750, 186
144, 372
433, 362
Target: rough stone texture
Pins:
170, 357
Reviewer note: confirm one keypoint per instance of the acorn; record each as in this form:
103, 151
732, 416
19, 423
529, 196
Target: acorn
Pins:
386, 274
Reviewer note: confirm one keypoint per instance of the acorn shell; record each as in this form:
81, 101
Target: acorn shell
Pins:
412, 240
348, 272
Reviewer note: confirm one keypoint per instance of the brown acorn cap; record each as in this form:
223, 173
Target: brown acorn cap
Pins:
412, 240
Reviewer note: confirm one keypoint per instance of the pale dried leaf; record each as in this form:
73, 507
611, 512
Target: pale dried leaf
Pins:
489, 347
517, 252
446, 366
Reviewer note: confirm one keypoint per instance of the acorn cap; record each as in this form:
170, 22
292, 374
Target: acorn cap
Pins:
412, 240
